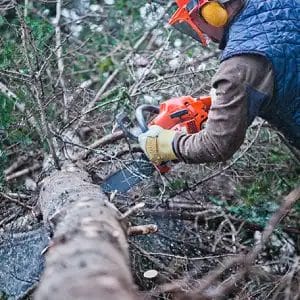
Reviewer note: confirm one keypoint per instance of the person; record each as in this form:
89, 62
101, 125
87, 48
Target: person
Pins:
258, 75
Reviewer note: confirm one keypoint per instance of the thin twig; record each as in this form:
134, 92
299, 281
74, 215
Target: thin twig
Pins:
34, 88
132, 210
108, 81
294, 151
147, 71
26, 3
243, 260
21, 107
23, 172
223, 169
17, 201
110, 138
60, 62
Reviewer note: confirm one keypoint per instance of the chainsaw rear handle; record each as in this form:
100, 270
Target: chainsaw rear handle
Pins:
140, 115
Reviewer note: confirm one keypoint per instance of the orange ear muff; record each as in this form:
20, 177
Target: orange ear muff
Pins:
214, 14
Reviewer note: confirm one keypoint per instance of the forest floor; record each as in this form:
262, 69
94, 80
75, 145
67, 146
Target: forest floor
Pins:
207, 215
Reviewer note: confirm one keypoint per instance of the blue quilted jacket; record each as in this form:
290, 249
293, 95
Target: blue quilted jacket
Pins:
272, 28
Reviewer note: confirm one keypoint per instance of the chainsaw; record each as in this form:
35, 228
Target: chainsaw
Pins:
184, 114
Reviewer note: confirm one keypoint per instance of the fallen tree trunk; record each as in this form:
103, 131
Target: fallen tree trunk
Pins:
88, 255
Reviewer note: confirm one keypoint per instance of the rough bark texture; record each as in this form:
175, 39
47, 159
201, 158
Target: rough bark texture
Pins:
88, 255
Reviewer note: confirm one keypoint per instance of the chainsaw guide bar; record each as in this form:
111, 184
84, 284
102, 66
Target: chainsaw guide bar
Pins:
123, 180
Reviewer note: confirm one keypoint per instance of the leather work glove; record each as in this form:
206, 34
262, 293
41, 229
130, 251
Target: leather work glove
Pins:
157, 144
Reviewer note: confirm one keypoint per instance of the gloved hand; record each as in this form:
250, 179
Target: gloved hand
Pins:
157, 144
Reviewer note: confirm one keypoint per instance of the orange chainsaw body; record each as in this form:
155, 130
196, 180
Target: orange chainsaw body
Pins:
184, 113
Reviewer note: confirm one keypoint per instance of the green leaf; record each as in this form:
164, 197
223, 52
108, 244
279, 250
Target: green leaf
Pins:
2, 20
105, 65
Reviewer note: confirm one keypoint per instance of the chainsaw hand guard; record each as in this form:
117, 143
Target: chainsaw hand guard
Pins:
140, 115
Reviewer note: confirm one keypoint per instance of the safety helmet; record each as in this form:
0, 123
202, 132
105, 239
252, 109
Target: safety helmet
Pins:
193, 16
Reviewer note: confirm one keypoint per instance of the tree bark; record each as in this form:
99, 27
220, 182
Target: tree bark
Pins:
88, 255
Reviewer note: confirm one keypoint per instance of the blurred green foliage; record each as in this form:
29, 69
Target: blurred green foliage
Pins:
12, 58
8, 53
98, 54
11, 50
273, 178
10, 43
258, 213
107, 43
41, 30
277, 178
3, 296
11, 131
6, 108
177, 184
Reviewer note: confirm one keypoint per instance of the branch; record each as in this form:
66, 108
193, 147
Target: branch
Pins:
17, 201
107, 139
276, 218
142, 229
147, 71
244, 260
23, 172
223, 169
60, 62
21, 107
103, 88
45, 128
293, 150
34, 88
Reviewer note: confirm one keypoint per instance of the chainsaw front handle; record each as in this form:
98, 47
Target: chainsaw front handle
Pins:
125, 124
140, 115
